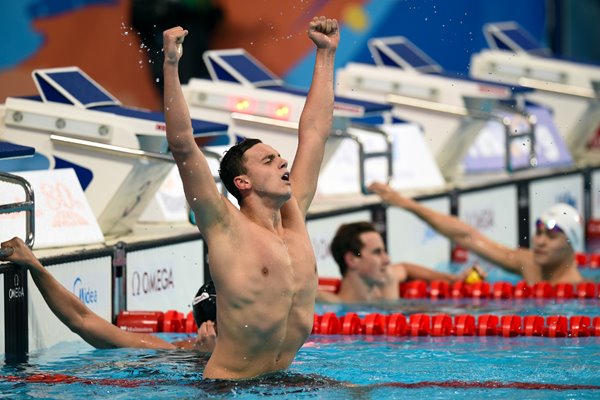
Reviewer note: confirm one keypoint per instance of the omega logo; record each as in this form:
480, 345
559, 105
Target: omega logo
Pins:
16, 292
150, 282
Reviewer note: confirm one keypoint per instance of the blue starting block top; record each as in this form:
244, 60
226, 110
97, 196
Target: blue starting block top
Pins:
401, 53
238, 66
512, 37
11, 150
72, 86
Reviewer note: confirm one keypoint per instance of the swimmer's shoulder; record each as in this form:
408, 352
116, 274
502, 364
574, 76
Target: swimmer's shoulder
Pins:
327, 297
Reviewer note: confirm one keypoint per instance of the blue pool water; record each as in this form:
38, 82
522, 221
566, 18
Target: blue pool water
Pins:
361, 367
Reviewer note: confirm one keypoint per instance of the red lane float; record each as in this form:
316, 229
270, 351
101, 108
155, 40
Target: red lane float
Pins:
351, 324
439, 290
441, 325
418, 289
464, 325
556, 326
580, 326
396, 325
510, 325
467, 325
502, 290
373, 324
413, 289
533, 325
487, 325
418, 325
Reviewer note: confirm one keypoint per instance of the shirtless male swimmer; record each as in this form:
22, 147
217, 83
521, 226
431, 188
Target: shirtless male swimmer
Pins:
261, 259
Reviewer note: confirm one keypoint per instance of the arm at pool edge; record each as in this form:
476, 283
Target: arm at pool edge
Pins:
72, 312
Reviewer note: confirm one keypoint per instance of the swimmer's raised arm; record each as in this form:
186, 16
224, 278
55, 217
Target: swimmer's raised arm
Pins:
317, 115
458, 231
71, 311
198, 182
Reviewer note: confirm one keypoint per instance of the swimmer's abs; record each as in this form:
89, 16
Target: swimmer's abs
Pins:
234, 366
255, 354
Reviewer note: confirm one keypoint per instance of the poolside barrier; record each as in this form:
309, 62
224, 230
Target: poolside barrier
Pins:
375, 324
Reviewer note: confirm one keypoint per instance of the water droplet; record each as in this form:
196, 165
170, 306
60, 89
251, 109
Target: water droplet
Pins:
157, 80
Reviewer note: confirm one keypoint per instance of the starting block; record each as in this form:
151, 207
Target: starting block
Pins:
118, 153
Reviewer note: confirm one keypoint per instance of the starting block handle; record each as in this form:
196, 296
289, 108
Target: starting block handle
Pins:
363, 156
27, 206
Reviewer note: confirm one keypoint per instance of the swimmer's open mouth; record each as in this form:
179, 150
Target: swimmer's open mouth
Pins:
286, 176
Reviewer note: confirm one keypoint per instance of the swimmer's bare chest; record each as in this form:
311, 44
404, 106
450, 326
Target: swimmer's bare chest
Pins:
283, 264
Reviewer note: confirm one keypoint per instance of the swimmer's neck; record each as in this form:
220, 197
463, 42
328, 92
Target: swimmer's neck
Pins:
355, 289
566, 271
266, 217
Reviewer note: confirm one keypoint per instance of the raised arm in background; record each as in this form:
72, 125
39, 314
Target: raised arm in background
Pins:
463, 234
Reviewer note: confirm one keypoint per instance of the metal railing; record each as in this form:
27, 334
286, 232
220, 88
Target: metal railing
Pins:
27, 206
126, 151
478, 109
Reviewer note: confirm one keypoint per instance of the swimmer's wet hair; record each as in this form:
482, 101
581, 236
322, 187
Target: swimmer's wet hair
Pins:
232, 165
347, 238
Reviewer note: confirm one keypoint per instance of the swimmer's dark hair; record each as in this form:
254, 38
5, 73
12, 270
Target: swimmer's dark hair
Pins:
232, 165
347, 238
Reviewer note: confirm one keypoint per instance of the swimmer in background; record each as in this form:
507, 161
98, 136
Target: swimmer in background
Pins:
261, 259
368, 275
92, 328
558, 236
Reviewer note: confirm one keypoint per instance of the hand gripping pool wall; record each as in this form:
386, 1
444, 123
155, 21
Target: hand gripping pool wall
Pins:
15, 333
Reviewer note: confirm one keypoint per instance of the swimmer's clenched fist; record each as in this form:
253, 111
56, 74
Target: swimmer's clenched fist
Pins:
172, 43
324, 32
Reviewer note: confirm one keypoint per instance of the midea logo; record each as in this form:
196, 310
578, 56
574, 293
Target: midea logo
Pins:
85, 294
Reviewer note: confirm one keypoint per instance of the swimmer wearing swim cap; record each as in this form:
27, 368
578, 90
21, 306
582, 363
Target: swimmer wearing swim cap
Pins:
558, 236
204, 305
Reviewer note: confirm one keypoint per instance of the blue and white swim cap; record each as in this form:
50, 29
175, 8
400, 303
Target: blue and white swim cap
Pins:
569, 221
